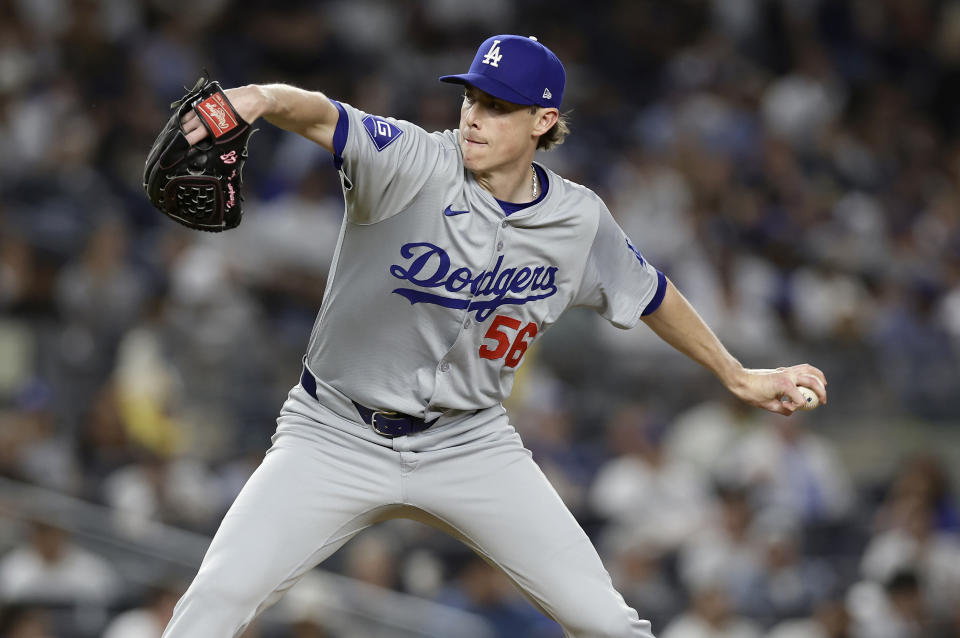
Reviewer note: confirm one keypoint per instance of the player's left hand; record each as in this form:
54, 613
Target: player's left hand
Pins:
200, 187
246, 102
767, 389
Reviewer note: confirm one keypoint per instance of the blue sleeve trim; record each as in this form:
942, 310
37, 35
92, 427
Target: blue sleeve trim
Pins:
340, 135
658, 297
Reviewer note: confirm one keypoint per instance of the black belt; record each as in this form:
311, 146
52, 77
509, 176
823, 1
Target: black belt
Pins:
388, 424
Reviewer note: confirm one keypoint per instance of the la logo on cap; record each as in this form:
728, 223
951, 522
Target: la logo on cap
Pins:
493, 56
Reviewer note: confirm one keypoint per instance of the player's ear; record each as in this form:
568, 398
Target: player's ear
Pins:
545, 119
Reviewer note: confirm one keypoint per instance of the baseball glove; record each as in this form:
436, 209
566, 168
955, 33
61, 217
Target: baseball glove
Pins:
199, 186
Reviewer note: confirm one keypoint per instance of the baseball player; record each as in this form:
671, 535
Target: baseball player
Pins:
457, 251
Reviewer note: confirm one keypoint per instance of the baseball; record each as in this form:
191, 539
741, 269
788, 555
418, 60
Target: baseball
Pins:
810, 398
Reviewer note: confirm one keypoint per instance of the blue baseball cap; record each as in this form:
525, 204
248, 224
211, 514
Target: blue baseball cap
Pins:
516, 69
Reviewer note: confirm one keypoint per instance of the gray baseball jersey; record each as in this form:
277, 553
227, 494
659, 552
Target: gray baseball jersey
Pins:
434, 294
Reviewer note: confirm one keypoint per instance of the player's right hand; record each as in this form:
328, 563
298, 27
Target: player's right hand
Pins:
766, 388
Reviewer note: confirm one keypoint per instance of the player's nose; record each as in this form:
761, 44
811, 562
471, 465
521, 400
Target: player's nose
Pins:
470, 116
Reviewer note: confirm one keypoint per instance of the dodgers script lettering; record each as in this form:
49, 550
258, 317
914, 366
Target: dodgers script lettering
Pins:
428, 267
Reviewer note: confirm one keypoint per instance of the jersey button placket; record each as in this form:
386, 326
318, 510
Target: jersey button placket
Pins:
445, 366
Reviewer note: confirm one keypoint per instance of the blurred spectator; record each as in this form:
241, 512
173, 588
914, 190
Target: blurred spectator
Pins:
921, 479
918, 358
101, 293
702, 435
787, 583
892, 610
651, 198
148, 621
914, 544
49, 567
147, 385
831, 620
485, 591
641, 490
792, 470
103, 445
288, 245
227, 389
735, 295
828, 302
208, 310
180, 491
723, 548
799, 106
711, 615
30, 447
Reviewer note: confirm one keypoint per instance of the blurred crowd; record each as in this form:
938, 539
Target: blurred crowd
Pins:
793, 165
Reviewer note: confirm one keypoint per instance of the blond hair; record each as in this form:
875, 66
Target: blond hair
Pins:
557, 133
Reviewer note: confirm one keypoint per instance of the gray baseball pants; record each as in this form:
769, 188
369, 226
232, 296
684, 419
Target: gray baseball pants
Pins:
326, 478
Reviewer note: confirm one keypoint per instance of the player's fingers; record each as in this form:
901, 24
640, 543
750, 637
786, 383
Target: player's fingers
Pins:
189, 121
192, 127
780, 406
806, 368
195, 135
790, 397
814, 383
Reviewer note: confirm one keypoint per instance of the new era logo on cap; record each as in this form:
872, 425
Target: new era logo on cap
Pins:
516, 69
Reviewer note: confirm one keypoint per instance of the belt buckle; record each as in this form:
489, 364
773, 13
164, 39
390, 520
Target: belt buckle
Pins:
373, 422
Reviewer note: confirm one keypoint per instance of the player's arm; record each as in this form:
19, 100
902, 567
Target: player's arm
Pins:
677, 323
309, 113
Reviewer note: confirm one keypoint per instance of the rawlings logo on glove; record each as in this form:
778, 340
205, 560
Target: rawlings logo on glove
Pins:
199, 186
214, 112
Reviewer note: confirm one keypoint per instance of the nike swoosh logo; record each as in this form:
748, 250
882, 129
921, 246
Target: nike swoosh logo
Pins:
449, 212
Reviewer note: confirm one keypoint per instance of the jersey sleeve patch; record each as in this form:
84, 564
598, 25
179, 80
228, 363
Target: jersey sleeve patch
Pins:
381, 132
